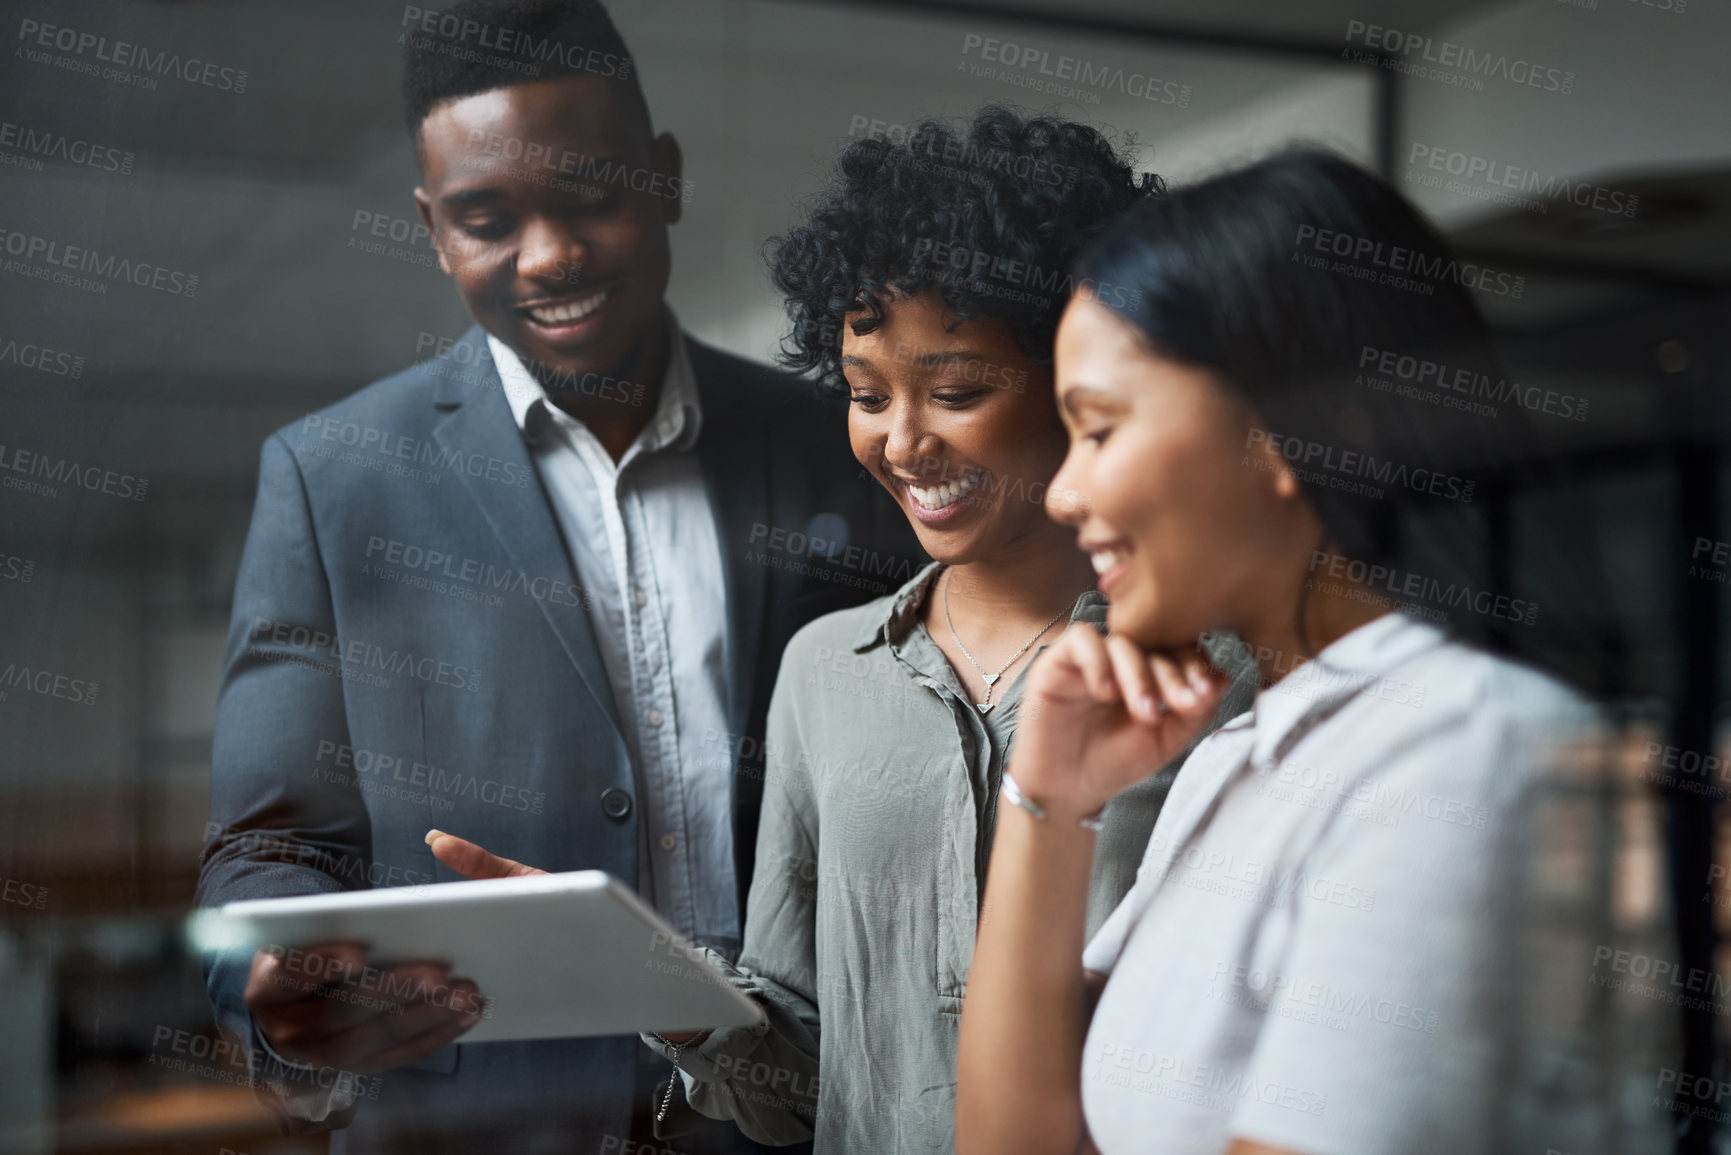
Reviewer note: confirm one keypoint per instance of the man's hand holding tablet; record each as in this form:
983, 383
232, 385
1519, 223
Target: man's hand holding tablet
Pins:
323, 1006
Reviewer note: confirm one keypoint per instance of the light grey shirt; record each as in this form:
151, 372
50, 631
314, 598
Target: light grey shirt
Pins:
642, 539
1316, 951
880, 798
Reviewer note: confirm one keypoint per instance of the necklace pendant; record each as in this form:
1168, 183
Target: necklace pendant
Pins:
991, 679
985, 707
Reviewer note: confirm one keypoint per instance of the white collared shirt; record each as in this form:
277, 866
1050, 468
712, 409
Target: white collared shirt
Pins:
1312, 955
642, 539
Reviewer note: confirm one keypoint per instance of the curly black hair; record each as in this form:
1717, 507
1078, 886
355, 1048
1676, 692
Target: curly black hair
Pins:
992, 214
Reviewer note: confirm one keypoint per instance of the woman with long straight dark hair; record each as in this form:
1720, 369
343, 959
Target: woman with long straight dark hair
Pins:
1266, 436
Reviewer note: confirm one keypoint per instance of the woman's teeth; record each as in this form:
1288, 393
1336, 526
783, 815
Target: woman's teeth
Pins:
570, 311
939, 497
1105, 559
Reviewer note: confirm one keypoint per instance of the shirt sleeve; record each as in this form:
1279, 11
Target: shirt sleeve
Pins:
1101, 953
303, 1099
1383, 1031
765, 1077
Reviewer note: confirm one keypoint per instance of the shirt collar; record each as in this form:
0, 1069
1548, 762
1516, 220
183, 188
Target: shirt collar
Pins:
1356, 664
678, 414
897, 619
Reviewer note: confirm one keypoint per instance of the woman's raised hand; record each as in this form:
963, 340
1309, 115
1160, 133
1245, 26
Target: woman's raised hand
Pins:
1100, 714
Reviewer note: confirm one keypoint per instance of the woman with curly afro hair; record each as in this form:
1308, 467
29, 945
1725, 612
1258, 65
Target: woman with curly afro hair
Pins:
925, 286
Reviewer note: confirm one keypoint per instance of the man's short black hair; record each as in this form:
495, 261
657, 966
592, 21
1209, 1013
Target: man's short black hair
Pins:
992, 214
480, 45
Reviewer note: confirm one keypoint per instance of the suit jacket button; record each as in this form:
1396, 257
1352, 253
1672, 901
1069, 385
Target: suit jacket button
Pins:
615, 803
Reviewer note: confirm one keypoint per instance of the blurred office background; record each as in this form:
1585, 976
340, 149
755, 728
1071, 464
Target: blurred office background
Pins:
272, 198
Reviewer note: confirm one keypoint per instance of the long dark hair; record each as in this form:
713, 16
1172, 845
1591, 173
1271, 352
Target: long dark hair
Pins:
1323, 299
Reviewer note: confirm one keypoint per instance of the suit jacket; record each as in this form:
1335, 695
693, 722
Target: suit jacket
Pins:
410, 649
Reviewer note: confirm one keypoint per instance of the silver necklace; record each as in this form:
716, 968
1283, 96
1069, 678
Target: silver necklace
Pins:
986, 706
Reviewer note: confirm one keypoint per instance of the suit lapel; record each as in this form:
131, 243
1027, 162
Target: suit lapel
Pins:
734, 459
521, 518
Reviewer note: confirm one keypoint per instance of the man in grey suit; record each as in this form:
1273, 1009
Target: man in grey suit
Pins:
533, 591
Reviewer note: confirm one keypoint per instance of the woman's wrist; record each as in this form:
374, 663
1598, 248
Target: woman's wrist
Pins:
1062, 795
1064, 812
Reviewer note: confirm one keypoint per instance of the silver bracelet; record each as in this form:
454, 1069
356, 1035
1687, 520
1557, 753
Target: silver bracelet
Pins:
1014, 793
667, 1099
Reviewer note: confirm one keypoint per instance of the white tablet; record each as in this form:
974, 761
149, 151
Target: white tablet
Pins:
556, 955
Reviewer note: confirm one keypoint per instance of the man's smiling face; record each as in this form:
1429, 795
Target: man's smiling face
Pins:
549, 205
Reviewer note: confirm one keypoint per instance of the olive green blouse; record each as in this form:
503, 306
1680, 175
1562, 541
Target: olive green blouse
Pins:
880, 798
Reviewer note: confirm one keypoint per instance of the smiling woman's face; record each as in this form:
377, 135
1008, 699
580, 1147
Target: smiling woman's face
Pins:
1189, 528
957, 423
